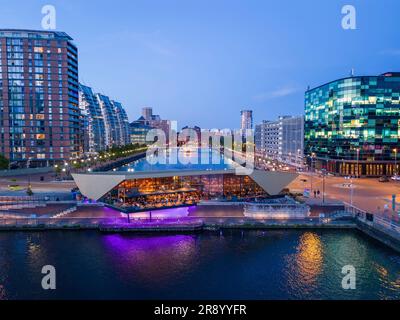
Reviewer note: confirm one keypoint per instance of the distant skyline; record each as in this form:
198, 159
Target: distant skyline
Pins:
202, 62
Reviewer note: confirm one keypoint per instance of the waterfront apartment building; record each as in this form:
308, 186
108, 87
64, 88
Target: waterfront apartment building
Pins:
40, 120
95, 127
352, 125
112, 133
282, 140
108, 123
122, 124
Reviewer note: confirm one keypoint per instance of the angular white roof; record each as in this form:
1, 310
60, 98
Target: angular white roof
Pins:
97, 184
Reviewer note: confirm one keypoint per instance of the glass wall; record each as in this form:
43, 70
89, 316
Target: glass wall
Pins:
145, 194
354, 120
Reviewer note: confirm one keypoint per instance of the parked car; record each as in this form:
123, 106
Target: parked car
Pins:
384, 179
396, 178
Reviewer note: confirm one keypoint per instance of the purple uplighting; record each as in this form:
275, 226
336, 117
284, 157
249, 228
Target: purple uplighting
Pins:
173, 213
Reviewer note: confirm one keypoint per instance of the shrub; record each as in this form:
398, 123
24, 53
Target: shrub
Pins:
4, 162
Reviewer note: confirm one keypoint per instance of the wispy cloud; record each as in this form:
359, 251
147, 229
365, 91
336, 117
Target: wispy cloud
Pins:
159, 48
390, 52
153, 41
277, 93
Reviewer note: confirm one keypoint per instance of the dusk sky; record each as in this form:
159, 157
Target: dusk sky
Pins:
201, 62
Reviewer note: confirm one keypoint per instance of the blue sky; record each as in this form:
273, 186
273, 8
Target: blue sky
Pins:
201, 62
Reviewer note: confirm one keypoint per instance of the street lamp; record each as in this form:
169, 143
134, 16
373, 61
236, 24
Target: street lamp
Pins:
298, 160
358, 159
323, 184
312, 170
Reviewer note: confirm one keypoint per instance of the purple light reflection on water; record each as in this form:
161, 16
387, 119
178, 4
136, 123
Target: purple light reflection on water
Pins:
150, 259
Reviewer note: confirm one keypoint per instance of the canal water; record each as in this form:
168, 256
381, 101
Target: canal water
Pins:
230, 265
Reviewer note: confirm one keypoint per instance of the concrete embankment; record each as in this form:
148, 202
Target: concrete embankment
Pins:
160, 226
383, 235
267, 226
120, 162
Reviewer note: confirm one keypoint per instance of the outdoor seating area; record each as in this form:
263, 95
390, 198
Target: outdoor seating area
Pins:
157, 200
135, 195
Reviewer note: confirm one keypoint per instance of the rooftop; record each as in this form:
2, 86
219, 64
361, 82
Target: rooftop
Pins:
386, 74
34, 34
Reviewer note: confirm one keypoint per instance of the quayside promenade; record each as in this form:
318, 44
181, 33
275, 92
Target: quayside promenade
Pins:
381, 229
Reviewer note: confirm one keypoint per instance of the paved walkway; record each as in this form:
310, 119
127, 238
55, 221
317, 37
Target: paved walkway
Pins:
368, 193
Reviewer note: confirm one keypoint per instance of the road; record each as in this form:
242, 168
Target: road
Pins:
49, 185
368, 194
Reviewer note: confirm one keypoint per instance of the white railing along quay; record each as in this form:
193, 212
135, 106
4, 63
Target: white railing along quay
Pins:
91, 222
389, 224
65, 212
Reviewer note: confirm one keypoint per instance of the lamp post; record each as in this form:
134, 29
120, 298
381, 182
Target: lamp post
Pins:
358, 160
351, 192
312, 170
323, 185
298, 160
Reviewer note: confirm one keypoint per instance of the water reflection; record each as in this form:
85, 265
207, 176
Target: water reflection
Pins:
306, 265
309, 259
289, 264
151, 259
389, 280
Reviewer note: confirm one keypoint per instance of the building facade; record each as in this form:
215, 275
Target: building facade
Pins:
95, 128
107, 123
112, 133
138, 132
39, 102
291, 143
257, 137
148, 119
246, 122
282, 140
147, 113
269, 139
122, 124
352, 125
189, 135
146, 190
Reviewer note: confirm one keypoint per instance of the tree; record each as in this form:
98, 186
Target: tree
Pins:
3, 162
29, 191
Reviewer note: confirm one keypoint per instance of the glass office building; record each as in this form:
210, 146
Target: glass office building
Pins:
352, 125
